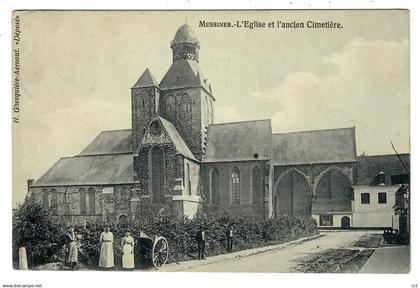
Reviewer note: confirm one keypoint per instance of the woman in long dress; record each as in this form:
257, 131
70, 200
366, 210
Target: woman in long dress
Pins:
70, 241
106, 258
127, 244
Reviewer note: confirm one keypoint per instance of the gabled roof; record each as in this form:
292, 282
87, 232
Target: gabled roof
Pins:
184, 73
368, 168
239, 141
177, 140
89, 170
109, 142
310, 147
146, 80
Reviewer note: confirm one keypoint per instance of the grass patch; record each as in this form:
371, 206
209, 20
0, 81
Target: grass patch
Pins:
335, 261
369, 241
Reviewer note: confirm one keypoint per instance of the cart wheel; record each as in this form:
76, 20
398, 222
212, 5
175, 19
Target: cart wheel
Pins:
160, 252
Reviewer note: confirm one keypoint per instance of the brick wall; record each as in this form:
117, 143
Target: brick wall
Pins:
195, 177
68, 201
143, 105
192, 126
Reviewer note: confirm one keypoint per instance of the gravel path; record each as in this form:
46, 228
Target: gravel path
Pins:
283, 258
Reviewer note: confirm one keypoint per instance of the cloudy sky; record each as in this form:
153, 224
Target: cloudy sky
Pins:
78, 67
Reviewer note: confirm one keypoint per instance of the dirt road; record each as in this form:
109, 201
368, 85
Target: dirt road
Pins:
281, 259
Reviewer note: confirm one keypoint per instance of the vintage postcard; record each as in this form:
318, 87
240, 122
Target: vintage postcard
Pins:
211, 141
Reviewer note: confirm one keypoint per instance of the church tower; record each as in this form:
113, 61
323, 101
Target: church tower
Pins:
144, 105
185, 45
186, 96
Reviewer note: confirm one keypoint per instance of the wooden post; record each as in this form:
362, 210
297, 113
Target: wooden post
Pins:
23, 261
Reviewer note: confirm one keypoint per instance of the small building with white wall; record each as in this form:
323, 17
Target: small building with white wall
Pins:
378, 179
373, 206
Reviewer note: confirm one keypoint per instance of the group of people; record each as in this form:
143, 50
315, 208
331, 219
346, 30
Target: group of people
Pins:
393, 236
106, 239
200, 237
106, 256
388, 235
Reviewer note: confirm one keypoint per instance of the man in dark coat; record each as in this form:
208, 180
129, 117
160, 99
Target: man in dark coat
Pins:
200, 237
229, 237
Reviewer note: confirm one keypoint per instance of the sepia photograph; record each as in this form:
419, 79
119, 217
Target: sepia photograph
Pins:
269, 141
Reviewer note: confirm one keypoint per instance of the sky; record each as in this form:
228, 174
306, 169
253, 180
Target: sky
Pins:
78, 68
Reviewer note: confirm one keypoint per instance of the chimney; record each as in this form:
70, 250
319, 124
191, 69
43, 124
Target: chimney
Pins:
30, 182
381, 178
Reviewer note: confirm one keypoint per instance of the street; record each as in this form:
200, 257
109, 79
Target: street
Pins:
279, 258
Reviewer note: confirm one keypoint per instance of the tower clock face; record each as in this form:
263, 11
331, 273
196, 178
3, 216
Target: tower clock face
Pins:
155, 128
183, 53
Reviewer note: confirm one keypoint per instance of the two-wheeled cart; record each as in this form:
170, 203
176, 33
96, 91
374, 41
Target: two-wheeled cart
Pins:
151, 251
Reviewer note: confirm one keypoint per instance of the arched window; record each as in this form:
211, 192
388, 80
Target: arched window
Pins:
236, 186
157, 162
257, 191
208, 110
215, 187
65, 196
333, 185
293, 195
155, 128
54, 201
185, 111
91, 200
188, 179
123, 219
82, 200
211, 112
46, 198
170, 106
185, 104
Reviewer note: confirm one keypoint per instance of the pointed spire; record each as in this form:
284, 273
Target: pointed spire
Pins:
146, 80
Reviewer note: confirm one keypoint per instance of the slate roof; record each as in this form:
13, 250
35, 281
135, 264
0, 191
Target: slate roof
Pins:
179, 143
183, 74
368, 168
238, 141
311, 147
146, 80
184, 34
107, 160
110, 142
89, 170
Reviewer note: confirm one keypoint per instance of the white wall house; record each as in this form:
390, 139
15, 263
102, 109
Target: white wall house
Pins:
334, 220
373, 205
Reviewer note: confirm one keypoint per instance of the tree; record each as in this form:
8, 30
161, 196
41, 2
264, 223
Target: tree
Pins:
39, 232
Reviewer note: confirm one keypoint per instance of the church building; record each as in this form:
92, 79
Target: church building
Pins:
175, 156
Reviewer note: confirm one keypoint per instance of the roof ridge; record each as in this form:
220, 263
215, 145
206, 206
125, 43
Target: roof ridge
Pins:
101, 154
238, 122
382, 155
316, 130
146, 80
172, 128
114, 130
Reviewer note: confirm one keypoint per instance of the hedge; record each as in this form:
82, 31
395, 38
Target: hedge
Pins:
41, 234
